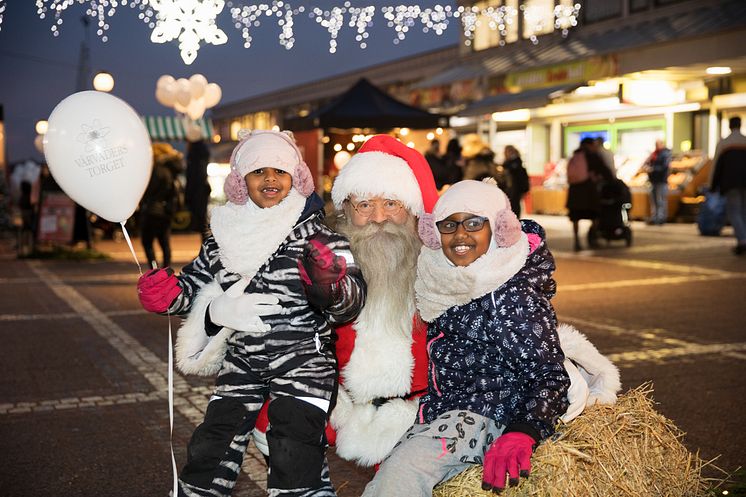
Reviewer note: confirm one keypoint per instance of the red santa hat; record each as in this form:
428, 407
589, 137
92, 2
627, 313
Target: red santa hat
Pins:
386, 167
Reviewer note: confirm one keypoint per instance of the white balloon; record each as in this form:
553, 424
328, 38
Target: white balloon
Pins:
183, 91
197, 84
165, 96
196, 108
39, 143
99, 152
193, 132
213, 93
164, 81
180, 108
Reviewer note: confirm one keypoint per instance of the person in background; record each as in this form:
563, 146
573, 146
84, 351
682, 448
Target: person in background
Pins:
729, 178
436, 163
657, 166
454, 160
157, 204
582, 195
606, 155
197, 191
519, 182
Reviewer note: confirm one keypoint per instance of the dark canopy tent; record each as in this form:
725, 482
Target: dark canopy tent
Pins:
366, 106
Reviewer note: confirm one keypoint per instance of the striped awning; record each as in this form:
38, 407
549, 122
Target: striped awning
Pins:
173, 128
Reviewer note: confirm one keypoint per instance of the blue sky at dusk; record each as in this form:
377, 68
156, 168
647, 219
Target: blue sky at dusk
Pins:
38, 70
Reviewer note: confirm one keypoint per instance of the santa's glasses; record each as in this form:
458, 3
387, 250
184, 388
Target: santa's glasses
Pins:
366, 208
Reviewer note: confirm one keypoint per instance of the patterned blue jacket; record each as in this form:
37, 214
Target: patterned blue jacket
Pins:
499, 355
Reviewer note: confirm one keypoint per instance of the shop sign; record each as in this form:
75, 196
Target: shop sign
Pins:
56, 217
572, 72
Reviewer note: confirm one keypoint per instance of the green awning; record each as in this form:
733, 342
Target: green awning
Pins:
171, 128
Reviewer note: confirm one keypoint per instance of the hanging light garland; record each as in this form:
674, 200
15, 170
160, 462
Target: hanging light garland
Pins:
193, 22
2, 11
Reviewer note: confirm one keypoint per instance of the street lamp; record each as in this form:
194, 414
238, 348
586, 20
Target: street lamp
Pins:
41, 127
103, 81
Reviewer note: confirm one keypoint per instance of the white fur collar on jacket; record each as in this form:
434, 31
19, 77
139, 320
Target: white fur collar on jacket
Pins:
247, 236
440, 285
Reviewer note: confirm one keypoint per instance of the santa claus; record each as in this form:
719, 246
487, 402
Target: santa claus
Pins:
382, 355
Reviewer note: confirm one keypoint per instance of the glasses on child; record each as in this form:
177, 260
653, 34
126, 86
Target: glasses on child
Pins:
366, 207
471, 224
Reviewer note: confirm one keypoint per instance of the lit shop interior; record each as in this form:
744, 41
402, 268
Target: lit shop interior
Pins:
686, 107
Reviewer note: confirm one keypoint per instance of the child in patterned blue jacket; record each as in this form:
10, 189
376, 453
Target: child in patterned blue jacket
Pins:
497, 384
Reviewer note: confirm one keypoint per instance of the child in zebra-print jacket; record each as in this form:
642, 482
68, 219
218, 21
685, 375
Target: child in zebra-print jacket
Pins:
260, 301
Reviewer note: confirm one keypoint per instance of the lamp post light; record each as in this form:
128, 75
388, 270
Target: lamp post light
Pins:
103, 81
41, 127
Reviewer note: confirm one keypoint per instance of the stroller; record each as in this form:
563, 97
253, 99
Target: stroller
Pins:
613, 221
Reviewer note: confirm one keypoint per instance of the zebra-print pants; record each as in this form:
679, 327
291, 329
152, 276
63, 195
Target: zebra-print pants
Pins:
297, 465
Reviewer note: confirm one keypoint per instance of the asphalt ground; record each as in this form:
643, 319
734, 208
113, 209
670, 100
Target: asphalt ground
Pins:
83, 380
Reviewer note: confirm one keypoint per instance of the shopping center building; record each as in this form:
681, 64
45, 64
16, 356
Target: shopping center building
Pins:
541, 75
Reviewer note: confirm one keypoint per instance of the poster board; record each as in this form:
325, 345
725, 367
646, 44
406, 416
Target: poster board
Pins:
56, 218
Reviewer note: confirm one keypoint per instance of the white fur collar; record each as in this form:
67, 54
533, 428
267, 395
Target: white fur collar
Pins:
248, 236
440, 285
381, 362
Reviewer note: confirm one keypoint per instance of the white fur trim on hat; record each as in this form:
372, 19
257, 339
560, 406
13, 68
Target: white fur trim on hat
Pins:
378, 174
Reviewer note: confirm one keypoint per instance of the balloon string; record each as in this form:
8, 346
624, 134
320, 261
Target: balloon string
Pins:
171, 407
132, 249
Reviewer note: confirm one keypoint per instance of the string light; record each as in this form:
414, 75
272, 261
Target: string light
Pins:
566, 17
2, 10
194, 21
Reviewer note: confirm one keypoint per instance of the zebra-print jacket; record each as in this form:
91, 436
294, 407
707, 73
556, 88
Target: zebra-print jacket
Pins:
205, 278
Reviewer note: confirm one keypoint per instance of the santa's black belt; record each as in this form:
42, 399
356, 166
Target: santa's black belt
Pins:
379, 401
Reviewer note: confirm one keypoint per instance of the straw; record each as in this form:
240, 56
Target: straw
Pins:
625, 449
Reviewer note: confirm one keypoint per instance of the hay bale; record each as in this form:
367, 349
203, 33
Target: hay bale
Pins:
626, 449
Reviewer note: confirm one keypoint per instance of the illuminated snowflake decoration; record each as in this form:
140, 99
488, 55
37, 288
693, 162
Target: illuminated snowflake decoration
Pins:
566, 17
189, 21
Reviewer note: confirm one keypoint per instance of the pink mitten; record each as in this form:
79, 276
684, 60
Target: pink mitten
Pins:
510, 453
157, 289
320, 265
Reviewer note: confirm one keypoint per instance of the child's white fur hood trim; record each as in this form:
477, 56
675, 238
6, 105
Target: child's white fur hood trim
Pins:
440, 285
197, 353
593, 377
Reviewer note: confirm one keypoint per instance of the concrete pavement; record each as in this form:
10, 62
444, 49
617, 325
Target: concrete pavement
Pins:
83, 405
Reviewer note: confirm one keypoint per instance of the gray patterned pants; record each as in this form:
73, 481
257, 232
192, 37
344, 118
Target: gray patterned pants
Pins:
432, 453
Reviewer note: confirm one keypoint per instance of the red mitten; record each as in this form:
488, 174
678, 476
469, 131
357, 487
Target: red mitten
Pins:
320, 265
319, 269
157, 289
510, 453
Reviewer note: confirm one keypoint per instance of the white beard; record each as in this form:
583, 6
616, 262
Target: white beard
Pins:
248, 236
381, 362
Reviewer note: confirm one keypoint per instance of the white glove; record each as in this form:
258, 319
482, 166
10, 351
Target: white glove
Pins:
240, 311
